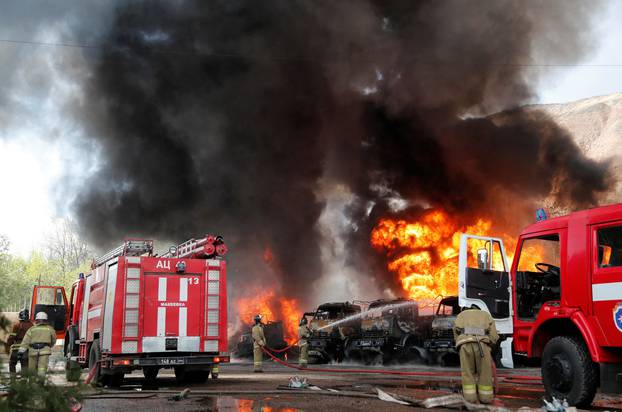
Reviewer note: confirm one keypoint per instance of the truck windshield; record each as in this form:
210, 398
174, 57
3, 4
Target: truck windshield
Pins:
49, 296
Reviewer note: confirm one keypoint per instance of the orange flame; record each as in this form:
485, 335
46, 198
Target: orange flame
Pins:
272, 309
424, 253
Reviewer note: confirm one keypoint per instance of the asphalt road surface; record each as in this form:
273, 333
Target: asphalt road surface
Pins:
238, 389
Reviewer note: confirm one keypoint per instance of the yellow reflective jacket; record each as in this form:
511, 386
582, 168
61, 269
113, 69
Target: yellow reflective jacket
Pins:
258, 337
304, 333
41, 333
473, 325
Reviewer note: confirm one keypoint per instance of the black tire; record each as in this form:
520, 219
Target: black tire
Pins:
94, 357
568, 371
114, 380
70, 347
150, 373
199, 376
191, 376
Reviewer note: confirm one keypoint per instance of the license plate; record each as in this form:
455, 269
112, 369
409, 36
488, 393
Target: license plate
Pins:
170, 361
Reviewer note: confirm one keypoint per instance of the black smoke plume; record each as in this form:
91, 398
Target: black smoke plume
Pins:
224, 116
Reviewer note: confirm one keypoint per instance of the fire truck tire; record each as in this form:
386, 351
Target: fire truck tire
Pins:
94, 357
150, 373
70, 348
568, 371
191, 376
114, 380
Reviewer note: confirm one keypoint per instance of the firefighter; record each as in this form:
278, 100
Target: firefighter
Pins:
304, 333
14, 342
475, 334
259, 341
39, 341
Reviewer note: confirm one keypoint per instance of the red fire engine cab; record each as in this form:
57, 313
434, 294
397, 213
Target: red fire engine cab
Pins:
561, 300
137, 310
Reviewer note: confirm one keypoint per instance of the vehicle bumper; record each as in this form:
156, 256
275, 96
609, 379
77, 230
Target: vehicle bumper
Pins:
128, 363
440, 345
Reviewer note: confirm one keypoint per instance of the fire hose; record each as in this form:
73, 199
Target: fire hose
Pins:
525, 378
291, 345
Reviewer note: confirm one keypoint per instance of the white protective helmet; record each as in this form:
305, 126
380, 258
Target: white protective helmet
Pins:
41, 316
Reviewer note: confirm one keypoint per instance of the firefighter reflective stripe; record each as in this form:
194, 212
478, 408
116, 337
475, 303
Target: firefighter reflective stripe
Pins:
161, 328
183, 321
484, 389
468, 389
162, 289
474, 331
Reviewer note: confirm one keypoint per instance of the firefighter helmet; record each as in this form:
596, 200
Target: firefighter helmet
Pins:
41, 316
24, 314
258, 318
303, 321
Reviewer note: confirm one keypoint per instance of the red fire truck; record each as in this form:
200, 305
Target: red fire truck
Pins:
137, 310
561, 300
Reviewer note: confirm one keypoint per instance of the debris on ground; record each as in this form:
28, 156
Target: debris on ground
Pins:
181, 395
298, 382
383, 396
555, 405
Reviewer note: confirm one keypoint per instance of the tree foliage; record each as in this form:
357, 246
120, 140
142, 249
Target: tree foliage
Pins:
64, 255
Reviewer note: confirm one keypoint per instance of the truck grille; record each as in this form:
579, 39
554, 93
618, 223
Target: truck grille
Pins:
443, 334
373, 333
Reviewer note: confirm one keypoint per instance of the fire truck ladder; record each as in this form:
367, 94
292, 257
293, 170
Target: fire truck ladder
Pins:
205, 247
131, 247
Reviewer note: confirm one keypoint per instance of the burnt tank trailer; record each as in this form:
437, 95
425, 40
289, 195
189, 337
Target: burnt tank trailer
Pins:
441, 345
332, 325
390, 331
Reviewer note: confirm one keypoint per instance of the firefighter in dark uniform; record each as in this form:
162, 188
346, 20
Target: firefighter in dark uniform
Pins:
39, 341
475, 335
304, 333
259, 341
13, 343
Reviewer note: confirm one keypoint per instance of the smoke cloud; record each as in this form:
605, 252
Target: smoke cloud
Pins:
235, 116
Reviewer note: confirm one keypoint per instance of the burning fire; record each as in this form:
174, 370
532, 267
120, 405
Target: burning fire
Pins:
272, 309
424, 253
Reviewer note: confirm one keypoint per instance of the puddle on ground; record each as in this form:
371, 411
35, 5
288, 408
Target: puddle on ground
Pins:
231, 404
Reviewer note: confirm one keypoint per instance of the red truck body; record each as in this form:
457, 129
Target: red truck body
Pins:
135, 310
561, 300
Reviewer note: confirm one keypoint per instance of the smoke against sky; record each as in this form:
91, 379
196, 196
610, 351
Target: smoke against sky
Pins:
241, 118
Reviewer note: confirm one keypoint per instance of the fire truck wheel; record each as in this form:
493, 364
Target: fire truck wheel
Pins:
70, 348
568, 371
114, 380
150, 373
94, 357
191, 376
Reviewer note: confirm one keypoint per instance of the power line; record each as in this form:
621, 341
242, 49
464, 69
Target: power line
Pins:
231, 55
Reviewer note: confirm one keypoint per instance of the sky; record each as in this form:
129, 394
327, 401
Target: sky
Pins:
30, 168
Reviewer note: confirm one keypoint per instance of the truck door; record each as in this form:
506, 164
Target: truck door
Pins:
484, 281
171, 304
607, 280
53, 301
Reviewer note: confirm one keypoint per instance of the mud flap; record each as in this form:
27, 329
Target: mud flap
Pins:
506, 353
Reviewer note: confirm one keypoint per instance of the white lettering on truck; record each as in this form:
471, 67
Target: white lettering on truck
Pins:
163, 264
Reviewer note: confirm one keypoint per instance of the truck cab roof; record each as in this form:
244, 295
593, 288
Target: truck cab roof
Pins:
593, 215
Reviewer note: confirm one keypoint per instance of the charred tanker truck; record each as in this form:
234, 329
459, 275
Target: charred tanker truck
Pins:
390, 331
332, 326
136, 310
560, 301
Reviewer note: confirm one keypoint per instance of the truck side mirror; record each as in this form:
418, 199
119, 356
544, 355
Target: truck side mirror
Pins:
482, 259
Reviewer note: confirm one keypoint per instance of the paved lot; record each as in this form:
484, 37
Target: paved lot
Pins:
237, 377
238, 389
